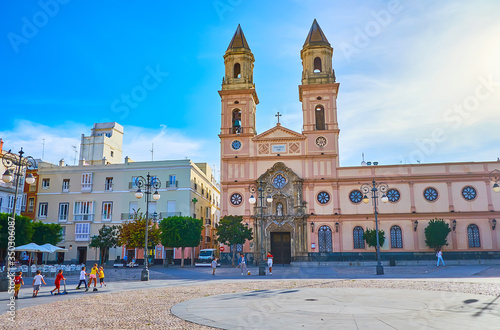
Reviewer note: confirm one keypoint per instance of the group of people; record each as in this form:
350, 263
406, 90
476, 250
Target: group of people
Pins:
242, 264
38, 280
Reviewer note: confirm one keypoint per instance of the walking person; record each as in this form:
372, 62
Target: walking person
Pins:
270, 262
242, 263
439, 255
83, 279
57, 282
214, 265
101, 276
93, 277
18, 280
37, 282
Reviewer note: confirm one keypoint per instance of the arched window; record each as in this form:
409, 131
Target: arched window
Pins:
359, 242
236, 121
396, 238
237, 71
279, 209
320, 117
473, 234
317, 65
325, 239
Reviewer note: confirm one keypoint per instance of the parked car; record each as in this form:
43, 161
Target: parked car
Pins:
205, 258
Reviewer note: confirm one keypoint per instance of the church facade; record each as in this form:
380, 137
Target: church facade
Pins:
308, 208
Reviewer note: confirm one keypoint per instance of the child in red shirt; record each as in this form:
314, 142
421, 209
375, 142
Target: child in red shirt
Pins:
18, 280
57, 282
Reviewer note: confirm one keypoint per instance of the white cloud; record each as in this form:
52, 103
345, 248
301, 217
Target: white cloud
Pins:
168, 144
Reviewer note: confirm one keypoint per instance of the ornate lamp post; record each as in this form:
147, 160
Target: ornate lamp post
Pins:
373, 189
253, 188
495, 177
149, 183
14, 165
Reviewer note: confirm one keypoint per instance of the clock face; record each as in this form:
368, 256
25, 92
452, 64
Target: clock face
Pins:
321, 141
236, 144
236, 199
279, 181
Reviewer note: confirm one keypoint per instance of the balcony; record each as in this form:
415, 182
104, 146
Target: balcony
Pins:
107, 217
173, 184
86, 187
160, 216
82, 237
83, 217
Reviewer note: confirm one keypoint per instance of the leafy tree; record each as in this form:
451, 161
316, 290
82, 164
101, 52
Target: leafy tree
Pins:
181, 232
133, 233
46, 233
23, 230
232, 231
106, 239
370, 237
435, 233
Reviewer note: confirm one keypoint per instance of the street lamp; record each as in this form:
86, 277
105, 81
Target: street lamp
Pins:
17, 163
252, 200
149, 183
495, 177
373, 188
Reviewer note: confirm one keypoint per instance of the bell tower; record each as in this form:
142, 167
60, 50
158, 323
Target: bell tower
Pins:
238, 106
238, 96
318, 94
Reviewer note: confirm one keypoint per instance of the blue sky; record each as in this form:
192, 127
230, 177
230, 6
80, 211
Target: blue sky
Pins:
419, 80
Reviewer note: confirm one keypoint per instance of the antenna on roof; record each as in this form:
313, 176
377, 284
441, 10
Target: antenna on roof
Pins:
74, 160
43, 148
363, 163
152, 151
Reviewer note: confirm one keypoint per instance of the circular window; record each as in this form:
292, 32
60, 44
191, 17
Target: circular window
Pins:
236, 144
355, 196
393, 195
469, 193
323, 197
430, 194
279, 181
321, 141
236, 199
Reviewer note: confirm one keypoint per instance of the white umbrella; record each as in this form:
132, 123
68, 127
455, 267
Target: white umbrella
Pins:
31, 247
52, 249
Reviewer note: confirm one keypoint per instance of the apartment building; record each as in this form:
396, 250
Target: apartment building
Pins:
84, 197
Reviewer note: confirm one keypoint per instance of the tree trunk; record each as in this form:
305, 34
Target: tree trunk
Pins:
182, 256
234, 252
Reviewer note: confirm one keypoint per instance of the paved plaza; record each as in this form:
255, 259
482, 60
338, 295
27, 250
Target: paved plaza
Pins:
341, 297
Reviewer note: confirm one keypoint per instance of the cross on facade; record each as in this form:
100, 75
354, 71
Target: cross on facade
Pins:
278, 115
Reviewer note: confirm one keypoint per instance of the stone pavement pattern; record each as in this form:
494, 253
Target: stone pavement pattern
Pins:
133, 304
343, 308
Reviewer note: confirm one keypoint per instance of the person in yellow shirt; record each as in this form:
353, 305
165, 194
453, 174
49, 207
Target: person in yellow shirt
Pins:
101, 276
93, 276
